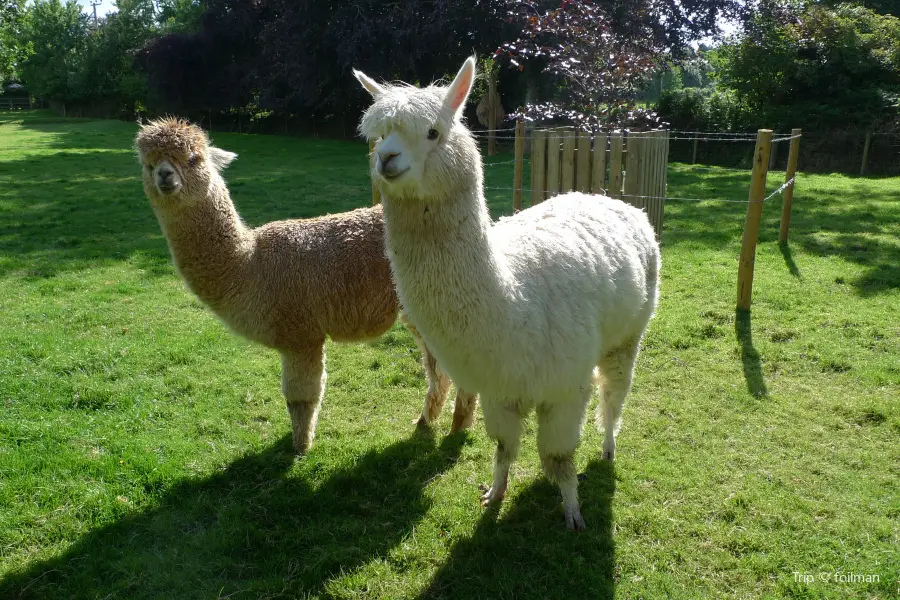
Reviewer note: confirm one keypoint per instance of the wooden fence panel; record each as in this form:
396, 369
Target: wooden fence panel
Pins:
598, 170
519, 171
637, 167
616, 148
552, 164
583, 168
568, 162
631, 187
538, 167
656, 175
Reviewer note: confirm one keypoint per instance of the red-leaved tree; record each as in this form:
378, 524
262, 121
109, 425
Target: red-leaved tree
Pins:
596, 68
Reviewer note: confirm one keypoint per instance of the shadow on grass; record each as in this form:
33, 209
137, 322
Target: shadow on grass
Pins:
785, 250
752, 364
251, 530
530, 554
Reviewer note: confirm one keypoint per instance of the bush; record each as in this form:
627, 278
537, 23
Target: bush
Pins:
693, 109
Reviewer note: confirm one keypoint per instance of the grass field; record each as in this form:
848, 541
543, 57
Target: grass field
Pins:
145, 451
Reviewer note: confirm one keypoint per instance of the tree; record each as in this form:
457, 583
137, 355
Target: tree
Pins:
596, 70
106, 72
297, 55
212, 68
56, 35
179, 16
815, 66
412, 40
13, 46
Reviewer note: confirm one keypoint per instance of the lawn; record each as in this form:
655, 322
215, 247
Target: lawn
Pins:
145, 451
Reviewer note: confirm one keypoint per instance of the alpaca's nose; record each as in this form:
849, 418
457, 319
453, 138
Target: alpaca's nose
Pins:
388, 164
387, 157
165, 173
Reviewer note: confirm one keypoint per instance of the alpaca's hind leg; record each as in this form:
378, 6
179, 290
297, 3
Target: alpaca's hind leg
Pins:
303, 382
559, 430
438, 381
464, 410
504, 424
616, 370
438, 387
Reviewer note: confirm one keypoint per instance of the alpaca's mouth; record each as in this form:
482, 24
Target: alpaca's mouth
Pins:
168, 188
393, 176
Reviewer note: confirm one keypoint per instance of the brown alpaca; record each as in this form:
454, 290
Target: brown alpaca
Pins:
287, 284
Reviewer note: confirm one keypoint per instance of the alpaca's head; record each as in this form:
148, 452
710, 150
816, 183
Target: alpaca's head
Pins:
178, 161
421, 147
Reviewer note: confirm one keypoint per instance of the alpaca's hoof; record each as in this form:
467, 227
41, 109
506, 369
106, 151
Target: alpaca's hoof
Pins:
421, 422
493, 495
609, 455
574, 520
301, 448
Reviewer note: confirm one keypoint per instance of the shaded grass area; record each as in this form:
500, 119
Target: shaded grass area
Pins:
144, 450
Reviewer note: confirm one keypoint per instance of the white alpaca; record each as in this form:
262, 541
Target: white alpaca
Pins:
521, 312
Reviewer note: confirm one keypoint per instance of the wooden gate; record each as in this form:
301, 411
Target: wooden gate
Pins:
626, 165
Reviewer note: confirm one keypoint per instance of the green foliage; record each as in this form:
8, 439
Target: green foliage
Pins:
816, 67
145, 449
13, 46
708, 109
71, 59
57, 37
179, 16
106, 73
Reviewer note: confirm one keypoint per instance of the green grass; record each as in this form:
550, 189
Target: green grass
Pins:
145, 451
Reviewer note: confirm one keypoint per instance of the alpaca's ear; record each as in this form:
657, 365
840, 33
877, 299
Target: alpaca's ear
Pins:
459, 90
368, 83
220, 158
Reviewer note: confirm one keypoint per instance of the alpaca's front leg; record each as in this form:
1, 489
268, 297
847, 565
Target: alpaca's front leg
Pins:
303, 382
559, 430
504, 424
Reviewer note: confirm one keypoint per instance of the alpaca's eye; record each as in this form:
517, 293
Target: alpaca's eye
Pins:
192, 160
433, 134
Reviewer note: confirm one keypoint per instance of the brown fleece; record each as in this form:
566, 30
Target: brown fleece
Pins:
287, 284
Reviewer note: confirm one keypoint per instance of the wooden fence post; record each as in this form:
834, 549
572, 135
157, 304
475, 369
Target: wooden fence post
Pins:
789, 191
696, 142
862, 168
754, 215
519, 171
492, 123
552, 164
655, 173
568, 162
634, 169
583, 168
616, 147
598, 165
376, 197
538, 166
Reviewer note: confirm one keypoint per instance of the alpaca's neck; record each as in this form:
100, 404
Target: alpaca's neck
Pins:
445, 263
209, 243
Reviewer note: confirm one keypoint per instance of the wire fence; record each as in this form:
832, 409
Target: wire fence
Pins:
821, 152
527, 190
